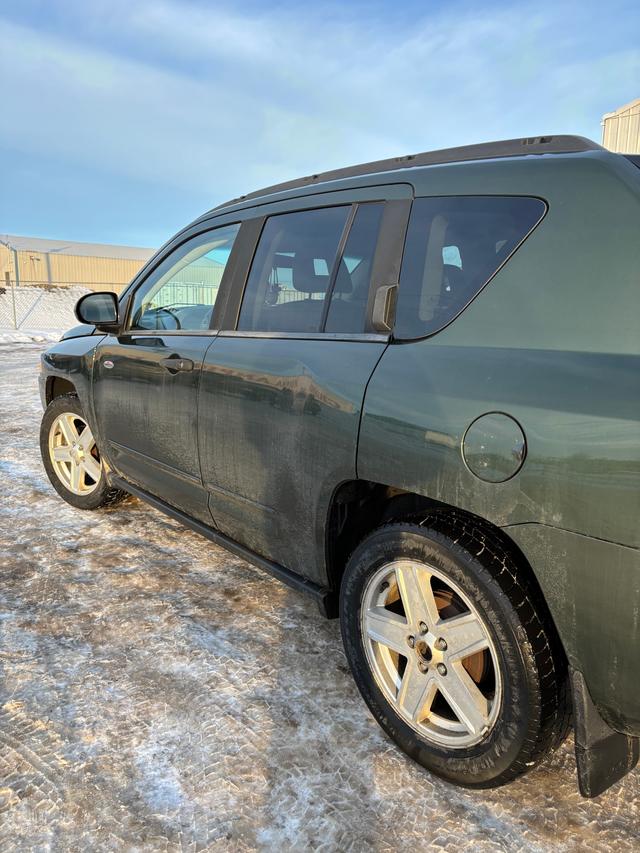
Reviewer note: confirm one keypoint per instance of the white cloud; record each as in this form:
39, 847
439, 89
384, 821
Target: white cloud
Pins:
224, 101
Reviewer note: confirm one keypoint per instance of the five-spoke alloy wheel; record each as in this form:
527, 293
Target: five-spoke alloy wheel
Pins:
451, 648
431, 653
74, 454
71, 456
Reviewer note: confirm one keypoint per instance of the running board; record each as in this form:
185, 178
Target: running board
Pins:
324, 597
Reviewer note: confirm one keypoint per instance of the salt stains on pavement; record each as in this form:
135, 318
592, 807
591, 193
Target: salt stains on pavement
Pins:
157, 692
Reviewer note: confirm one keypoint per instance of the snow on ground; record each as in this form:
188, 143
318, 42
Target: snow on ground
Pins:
158, 693
29, 336
40, 313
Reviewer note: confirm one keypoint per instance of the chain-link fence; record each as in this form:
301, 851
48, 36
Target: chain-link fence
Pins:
50, 308
42, 308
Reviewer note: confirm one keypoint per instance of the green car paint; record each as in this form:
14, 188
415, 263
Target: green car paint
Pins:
554, 342
523, 411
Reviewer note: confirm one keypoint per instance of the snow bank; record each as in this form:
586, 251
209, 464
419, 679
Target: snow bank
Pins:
29, 336
42, 314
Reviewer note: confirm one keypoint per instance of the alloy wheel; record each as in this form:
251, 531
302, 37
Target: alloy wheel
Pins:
431, 653
73, 453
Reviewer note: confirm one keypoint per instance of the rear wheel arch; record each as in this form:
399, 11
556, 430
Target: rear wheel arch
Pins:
358, 507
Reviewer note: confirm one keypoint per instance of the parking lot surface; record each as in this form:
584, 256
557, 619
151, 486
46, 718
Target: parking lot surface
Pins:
157, 693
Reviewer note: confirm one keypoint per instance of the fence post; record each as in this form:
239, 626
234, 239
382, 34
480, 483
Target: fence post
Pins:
16, 269
9, 283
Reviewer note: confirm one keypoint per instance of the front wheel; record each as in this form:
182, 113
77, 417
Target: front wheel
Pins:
71, 457
451, 654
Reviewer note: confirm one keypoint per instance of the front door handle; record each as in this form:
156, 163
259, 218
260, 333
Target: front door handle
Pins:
174, 363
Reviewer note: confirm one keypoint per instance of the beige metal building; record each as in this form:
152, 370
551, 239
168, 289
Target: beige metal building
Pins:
621, 129
32, 261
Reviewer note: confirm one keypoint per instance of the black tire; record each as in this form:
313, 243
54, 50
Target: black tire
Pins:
103, 494
534, 714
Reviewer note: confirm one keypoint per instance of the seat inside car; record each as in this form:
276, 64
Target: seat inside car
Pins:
302, 313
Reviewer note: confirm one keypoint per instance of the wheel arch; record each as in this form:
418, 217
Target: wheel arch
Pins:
360, 506
58, 386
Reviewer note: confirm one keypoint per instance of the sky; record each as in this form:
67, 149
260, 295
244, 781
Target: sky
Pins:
123, 120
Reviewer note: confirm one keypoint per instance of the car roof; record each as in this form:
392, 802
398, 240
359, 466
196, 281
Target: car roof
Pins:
522, 147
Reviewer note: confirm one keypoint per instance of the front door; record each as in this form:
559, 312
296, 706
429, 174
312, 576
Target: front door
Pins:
145, 381
281, 393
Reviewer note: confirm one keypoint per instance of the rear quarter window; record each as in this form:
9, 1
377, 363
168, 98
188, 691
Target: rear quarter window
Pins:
454, 246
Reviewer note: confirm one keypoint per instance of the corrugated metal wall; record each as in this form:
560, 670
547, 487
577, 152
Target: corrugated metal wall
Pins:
196, 283
50, 268
621, 129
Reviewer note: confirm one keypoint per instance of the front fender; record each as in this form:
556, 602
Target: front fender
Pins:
70, 359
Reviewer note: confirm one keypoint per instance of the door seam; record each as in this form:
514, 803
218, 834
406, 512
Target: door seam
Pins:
362, 405
198, 393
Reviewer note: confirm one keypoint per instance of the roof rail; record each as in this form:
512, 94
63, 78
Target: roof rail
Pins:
483, 151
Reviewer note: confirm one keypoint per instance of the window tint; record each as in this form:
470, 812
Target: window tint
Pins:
453, 247
291, 271
182, 293
348, 307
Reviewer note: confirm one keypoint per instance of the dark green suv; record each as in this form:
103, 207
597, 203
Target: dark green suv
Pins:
411, 390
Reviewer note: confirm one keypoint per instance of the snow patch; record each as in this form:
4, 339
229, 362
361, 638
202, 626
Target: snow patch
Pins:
29, 336
41, 314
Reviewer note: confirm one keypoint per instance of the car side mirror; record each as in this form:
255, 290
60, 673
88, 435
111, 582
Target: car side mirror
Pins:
99, 310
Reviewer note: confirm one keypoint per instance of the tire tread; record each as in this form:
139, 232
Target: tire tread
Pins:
555, 710
550, 709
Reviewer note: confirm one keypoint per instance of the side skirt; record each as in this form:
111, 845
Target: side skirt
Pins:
324, 597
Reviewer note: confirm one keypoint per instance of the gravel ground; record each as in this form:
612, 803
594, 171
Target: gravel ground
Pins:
159, 693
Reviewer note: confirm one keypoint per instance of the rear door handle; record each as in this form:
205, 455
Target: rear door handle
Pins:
174, 363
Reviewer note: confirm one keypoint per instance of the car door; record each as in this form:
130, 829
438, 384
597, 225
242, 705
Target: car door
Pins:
283, 383
146, 379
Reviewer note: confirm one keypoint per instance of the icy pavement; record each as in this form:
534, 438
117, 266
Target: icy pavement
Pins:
157, 693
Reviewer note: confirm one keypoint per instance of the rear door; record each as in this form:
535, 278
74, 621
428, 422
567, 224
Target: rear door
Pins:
146, 380
283, 383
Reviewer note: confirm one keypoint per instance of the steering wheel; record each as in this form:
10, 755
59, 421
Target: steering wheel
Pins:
171, 314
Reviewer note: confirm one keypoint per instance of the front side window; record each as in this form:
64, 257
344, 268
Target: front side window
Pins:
182, 293
453, 247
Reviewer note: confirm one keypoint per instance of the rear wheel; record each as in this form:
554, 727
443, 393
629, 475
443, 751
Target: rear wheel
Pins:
450, 652
71, 457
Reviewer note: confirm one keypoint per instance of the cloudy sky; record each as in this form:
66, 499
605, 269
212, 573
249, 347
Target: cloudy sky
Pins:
122, 120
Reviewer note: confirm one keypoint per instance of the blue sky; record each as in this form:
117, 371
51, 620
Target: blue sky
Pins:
122, 120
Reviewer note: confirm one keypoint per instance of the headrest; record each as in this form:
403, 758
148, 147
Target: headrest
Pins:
304, 276
305, 279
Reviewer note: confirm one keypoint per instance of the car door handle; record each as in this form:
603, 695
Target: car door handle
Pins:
174, 363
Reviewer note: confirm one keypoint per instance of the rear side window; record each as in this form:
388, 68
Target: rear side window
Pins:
348, 307
291, 271
312, 270
453, 247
